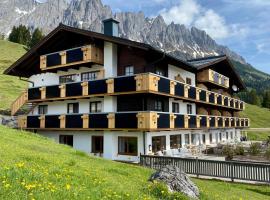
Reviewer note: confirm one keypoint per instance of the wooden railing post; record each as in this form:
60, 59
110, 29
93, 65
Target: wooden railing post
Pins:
198, 91
42, 121
111, 120
62, 119
186, 121
85, 119
172, 120
62, 90
84, 88
63, 55
43, 92
147, 120
172, 87
110, 86
198, 121
43, 62
186, 88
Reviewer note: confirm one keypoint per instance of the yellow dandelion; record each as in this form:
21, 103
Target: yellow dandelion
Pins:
68, 187
20, 164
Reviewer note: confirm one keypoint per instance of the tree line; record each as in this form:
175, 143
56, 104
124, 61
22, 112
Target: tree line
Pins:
261, 99
23, 35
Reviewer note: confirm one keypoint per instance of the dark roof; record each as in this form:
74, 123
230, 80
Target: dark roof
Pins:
68, 29
205, 62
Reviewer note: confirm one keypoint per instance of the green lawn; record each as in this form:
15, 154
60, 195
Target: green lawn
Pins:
33, 167
10, 87
260, 117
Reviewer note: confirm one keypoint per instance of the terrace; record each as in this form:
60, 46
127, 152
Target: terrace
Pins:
140, 83
145, 121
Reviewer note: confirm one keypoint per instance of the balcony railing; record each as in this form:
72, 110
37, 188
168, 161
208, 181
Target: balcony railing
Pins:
213, 77
140, 83
70, 57
145, 120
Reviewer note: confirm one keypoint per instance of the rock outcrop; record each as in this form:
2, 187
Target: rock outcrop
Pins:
177, 181
8, 121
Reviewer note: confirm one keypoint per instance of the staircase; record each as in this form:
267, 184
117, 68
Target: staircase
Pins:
20, 105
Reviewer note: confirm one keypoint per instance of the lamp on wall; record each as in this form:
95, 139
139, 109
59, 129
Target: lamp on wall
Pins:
150, 147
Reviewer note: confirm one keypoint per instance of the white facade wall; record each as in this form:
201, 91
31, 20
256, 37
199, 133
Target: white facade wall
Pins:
110, 59
182, 106
60, 107
46, 79
173, 71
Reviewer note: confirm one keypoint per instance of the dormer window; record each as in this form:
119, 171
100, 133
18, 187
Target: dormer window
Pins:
129, 70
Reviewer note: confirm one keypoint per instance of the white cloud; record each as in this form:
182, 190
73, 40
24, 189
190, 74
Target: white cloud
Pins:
213, 24
190, 13
183, 13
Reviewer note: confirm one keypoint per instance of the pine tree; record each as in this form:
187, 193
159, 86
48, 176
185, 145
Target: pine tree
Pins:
266, 99
254, 98
36, 37
20, 34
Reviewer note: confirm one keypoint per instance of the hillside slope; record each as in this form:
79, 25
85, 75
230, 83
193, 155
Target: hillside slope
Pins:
33, 167
10, 87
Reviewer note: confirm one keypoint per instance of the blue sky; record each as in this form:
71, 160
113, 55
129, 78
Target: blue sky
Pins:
242, 25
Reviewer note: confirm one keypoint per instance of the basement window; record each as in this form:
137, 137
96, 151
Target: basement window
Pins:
66, 139
97, 144
128, 146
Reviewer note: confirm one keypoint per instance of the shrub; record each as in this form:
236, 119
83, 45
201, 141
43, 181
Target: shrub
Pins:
267, 153
228, 152
254, 148
239, 150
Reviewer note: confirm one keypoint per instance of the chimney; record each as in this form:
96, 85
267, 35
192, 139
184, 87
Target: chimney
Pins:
111, 27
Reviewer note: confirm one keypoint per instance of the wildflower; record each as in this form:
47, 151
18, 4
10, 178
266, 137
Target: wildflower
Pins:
20, 165
68, 187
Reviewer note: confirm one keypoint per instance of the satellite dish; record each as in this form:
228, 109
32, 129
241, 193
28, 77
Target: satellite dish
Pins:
234, 88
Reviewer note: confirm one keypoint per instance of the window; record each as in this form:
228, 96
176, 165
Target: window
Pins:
210, 138
89, 76
220, 136
129, 70
193, 138
160, 72
158, 143
231, 135
158, 105
73, 108
66, 139
97, 144
188, 81
42, 109
175, 107
187, 139
95, 106
203, 138
227, 135
67, 78
189, 109
175, 141
128, 146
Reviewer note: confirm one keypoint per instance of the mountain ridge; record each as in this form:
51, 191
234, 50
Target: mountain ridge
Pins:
176, 39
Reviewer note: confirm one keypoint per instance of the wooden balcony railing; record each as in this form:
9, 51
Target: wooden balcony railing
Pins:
141, 83
145, 120
70, 57
19, 102
212, 76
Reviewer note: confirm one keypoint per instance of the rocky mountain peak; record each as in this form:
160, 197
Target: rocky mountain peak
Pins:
175, 39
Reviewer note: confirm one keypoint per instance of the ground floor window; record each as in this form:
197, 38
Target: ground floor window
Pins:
158, 143
220, 136
210, 138
175, 141
193, 138
203, 138
128, 146
66, 139
97, 144
187, 139
227, 135
231, 135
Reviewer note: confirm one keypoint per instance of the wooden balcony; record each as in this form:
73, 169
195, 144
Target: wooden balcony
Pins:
75, 56
214, 77
145, 121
